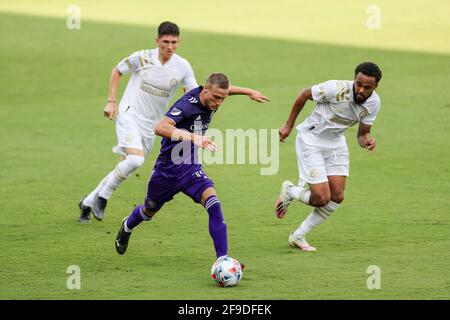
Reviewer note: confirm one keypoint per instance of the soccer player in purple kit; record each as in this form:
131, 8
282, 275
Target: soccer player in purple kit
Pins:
177, 169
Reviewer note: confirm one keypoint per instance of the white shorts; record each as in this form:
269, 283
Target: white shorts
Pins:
132, 135
317, 161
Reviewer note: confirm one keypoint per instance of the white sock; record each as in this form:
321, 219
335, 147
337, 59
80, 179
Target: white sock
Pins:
120, 173
89, 200
300, 194
125, 227
317, 216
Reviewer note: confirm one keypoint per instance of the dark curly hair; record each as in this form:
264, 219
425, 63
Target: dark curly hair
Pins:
369, 69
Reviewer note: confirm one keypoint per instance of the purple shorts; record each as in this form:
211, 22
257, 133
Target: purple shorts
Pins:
161, 190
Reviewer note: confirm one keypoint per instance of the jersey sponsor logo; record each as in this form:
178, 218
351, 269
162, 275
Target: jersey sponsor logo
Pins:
344, 121
193, 100
146, 87
199, 127
175, 111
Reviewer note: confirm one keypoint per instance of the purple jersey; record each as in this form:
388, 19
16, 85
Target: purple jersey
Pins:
178, 158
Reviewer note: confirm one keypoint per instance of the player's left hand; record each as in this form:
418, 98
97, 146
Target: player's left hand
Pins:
258, 96
371, 144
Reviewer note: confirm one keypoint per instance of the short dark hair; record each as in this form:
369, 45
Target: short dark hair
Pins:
218, 79
369, 69
168, 28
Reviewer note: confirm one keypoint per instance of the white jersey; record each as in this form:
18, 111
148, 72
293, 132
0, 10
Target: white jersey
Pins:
335, 111
152, 85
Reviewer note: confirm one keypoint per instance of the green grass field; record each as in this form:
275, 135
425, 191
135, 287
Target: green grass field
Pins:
56, 145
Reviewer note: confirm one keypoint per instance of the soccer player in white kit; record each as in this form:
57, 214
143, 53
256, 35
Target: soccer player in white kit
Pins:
155, 76
322, 152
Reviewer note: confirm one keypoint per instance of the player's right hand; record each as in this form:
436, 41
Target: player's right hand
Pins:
205, 142
110, 110
284, 132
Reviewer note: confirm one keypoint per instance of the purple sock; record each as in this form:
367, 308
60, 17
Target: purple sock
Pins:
136, 217
217, 226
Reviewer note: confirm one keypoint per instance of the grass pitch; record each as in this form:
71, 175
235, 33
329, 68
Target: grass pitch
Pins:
56, 145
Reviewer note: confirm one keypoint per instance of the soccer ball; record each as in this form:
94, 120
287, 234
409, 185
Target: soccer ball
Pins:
226, 271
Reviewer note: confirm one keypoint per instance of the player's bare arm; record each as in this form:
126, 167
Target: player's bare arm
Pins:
298, 105
364, 138
166, 129
110, 109
252, 94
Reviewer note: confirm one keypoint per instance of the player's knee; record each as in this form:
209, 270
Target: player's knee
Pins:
149, 213
337, 197
135, 162
319, 200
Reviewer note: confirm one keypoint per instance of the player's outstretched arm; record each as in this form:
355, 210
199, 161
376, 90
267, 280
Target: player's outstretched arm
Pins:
166, 129
252, 94
364, 138
298, 105
110, 109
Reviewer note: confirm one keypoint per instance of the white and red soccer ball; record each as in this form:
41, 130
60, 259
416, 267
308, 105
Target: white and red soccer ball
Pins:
226, 271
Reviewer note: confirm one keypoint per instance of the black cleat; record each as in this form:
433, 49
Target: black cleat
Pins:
122, 238
99, 207
85, 212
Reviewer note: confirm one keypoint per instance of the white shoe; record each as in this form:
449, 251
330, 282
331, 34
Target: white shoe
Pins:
301, 243
283, 201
